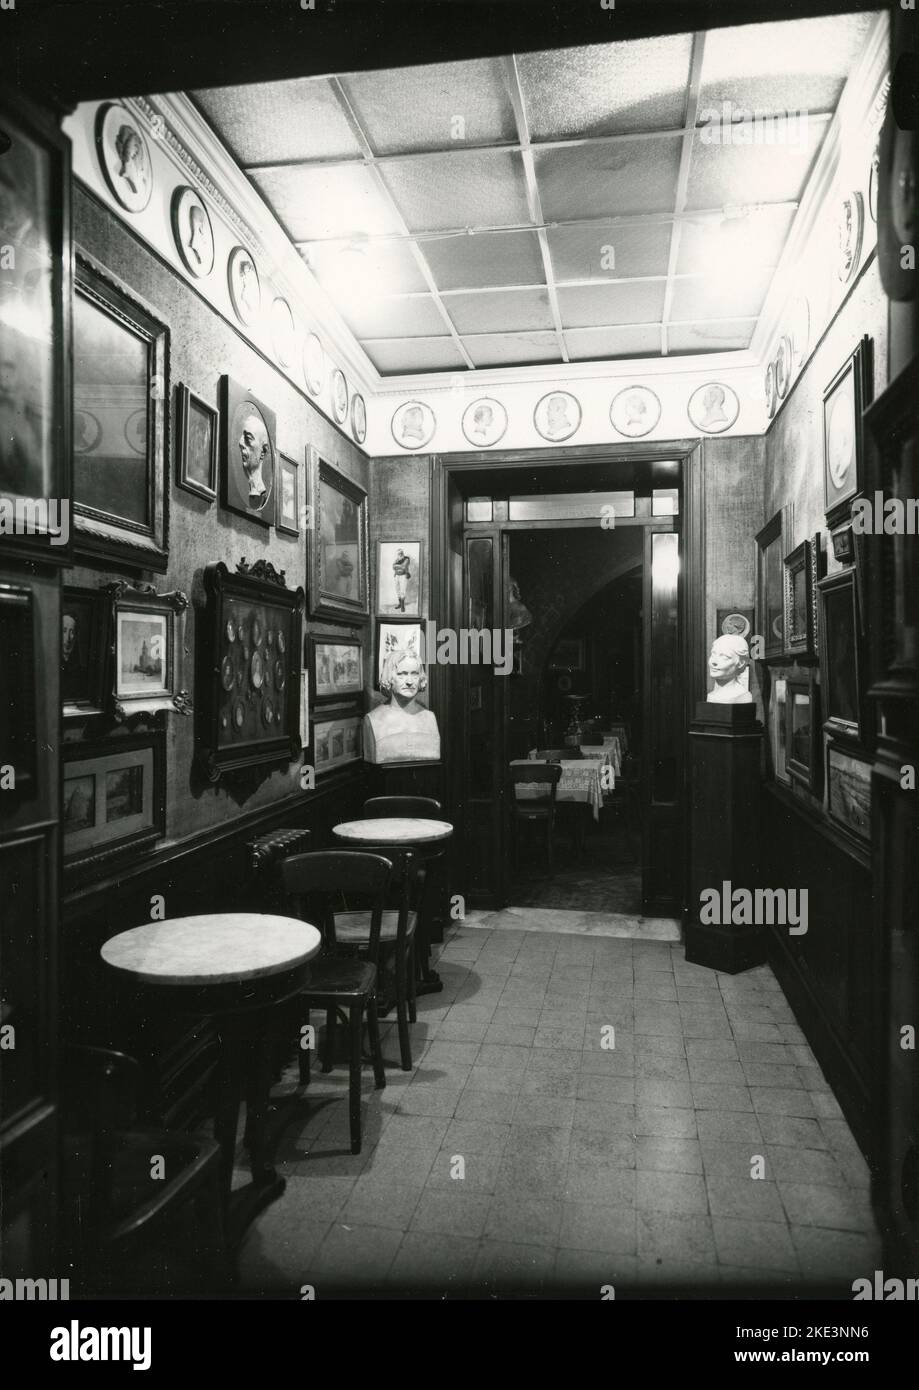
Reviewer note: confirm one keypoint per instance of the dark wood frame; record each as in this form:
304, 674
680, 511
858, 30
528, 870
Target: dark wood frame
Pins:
184, 399
231, 396
802, 646
553, 665
18, 723
378, 611
144, 600
99, 652
805, 774
324, 604
858, 755
860, 363
842, 728
221, 588
284, 460
335, 714
776, 532
314, 640
394, 622
39, 128
86, 865
105, 534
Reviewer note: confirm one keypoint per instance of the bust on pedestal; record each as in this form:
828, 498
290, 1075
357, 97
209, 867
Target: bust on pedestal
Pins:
402, 730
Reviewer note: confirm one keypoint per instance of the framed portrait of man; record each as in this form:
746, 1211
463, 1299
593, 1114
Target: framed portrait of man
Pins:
249, 458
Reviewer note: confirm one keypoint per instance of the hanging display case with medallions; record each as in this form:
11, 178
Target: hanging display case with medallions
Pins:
249, 657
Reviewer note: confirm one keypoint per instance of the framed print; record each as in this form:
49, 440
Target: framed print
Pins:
358, 418
396, 636
124, 156
714, 407
557, 416
148, 643
778, 731
85, 650
114, 801
120, 390
771, 545
337, 739
313, 364
36, 457
339, 396
18, 676
635, 411
248, 458
803, 740
248, 670
192, 232
844, 400
484, 422
840, 674
848, 789
283, 332
244, 286
336, 665
413, 425
288, 518
801, 572
399, 577
196, 444
339, 584
568, 655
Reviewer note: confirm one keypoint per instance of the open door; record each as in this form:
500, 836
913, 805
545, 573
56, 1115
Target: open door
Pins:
661, 771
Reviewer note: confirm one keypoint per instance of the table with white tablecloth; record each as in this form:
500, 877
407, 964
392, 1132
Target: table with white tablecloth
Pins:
581, 781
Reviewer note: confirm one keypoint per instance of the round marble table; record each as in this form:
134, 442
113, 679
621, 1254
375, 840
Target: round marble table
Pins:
429, 837
235, 966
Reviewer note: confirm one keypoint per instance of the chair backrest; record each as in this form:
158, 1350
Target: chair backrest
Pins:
321, 880
382, 807
548, 755
405, 881
540, 774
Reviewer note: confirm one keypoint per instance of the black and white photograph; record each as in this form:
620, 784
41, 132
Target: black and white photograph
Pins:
459, 690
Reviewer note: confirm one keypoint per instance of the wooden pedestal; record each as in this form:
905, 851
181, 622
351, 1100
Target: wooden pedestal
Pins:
724, 745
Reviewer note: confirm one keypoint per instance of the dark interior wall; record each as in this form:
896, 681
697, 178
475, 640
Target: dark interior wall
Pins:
203, 347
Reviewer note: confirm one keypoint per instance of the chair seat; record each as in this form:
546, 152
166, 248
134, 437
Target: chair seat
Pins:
340, 975
353, 928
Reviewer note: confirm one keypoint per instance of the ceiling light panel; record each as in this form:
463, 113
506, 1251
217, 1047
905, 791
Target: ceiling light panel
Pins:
277, 121
629, 176
512, 349
393, 355
735, 175
489, 258
633, 340
433, 107
327, 202
462, 188
508, 310
606, 89
596, 306
611, 251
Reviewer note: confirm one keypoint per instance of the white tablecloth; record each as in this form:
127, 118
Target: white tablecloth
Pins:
580, 781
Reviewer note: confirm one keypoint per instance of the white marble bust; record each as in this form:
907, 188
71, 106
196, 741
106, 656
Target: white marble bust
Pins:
402, 729
728, 659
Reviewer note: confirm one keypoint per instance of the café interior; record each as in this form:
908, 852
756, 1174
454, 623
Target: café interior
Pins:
443, 418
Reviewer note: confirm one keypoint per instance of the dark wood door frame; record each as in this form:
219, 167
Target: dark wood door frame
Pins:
447, 472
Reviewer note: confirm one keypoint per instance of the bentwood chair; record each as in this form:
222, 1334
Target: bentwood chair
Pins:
538, 810
424, 807
319, 882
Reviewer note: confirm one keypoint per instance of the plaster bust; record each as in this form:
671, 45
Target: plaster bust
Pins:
728, 659
403, 728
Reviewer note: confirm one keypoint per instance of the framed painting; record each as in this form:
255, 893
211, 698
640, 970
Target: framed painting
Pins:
801, 573
288, 518
248, 670
248, 457
114, 801
196, 444
844, 400
778, 731
840, 655
85, 650
848, 789
36, 456
568, 655
771, 547
148, 644
120, 390
803, 737
399, 578
336, 665
337, 738
395, 636
337, 543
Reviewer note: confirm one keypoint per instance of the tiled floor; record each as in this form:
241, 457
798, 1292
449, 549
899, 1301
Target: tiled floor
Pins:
524, 1156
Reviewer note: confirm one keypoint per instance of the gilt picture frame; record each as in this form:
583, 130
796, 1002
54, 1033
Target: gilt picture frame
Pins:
337, 545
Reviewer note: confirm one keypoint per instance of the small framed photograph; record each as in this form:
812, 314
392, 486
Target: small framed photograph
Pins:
288, 518
399, 577
840, 654
337, 543
771, 547
249, 459
801, 572
802, 737
196, 444
114, 800
336, 663
844, 400
337, 738
396, 636
568, 655
85, 650
848, 782
148, 635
